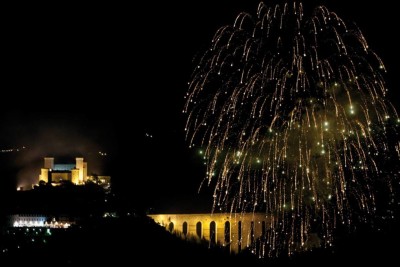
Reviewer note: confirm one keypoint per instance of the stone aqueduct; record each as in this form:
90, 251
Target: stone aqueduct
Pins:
236, 230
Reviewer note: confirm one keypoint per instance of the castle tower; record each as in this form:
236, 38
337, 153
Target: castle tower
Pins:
84, 170
46, 170
44, 175
75, 176
49, 163
82, 167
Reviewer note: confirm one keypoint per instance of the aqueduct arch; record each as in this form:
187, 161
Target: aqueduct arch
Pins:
235, 230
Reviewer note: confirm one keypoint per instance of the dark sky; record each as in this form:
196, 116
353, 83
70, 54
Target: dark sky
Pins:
101, 77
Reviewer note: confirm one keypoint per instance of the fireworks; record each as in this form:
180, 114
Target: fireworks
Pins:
290, 112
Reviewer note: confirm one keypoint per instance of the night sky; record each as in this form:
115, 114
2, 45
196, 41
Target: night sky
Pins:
112, 78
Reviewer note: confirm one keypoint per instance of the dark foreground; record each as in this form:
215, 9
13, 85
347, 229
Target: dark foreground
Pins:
137, 239
130, 240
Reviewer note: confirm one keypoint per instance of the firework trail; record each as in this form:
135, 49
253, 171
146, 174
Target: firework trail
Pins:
290, 112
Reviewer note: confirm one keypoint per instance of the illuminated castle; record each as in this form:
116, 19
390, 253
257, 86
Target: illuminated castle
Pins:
56, 173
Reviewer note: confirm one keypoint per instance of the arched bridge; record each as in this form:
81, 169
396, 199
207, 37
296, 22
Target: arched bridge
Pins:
234, 230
